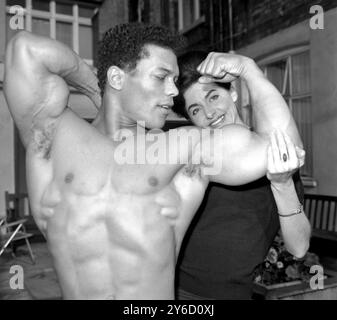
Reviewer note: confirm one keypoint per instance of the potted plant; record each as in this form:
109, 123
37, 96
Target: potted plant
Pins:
280, 268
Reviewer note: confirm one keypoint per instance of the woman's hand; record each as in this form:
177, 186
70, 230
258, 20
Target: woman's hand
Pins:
226, 67
284, 158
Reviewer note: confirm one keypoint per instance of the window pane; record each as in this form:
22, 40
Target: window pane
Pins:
41, 5
303, 117
41, 27
21, 3
64, 33
86, 42
301, 73
188, 10
202, 7
174, 14
64, 8
276, 73
85, 12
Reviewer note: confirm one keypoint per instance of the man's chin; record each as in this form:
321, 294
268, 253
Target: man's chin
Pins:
155, 124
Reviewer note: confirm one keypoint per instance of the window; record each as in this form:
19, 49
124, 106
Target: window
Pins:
187, 12
290, 73
66, 22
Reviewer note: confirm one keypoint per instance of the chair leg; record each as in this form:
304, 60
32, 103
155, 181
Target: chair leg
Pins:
30, 251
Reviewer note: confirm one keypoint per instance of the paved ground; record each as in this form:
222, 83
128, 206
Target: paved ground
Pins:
40, 281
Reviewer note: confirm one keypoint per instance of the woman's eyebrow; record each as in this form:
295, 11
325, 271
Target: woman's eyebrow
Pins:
208, 93
192, 106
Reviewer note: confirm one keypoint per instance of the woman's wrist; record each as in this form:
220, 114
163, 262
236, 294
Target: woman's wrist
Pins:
282, 186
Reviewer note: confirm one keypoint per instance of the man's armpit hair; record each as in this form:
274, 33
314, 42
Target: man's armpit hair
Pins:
42, 140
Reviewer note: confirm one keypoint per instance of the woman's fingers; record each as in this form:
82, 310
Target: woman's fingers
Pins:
218, 67
283, 150
293, 159
205, 79
300, 155
283, 157
270, 161
289, 156
276, 153
205, 64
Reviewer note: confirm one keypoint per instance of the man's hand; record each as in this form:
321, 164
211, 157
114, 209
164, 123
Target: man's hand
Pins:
225, 67
284, 159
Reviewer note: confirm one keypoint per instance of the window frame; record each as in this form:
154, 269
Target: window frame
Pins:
197, 17
52, 16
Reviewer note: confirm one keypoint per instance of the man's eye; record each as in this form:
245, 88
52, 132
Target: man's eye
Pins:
195, 111
161, 78
214, 98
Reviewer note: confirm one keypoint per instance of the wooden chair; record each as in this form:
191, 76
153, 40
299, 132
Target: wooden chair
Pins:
13, 229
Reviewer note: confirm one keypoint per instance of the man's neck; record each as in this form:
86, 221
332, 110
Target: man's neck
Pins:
111, 119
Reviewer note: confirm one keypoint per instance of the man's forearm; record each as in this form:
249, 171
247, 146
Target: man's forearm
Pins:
269, 108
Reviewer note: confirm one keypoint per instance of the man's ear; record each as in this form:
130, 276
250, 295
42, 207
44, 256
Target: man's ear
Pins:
115, 77
234, 94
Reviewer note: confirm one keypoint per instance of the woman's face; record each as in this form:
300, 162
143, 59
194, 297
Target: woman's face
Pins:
209, 105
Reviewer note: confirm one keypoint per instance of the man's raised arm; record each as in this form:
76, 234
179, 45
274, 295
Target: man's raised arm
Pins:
37, 71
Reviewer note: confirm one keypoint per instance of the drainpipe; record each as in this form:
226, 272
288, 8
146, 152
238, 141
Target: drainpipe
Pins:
211, 24
221, 33
230, 18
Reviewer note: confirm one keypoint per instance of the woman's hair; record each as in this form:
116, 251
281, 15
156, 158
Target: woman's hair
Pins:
189, 75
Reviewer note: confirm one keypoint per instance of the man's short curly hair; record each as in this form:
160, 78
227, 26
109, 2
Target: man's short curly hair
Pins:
188, 63
123, 46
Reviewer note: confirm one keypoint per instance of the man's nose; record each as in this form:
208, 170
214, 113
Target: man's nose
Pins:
172, 89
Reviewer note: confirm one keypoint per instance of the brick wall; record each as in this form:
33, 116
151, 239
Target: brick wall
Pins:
253, 20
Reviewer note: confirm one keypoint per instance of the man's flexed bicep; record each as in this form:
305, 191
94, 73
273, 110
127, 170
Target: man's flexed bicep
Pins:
240, 156
38, 71
34, 94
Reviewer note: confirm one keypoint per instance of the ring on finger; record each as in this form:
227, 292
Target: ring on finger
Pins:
284, 157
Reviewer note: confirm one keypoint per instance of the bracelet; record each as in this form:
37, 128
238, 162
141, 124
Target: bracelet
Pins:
298, 211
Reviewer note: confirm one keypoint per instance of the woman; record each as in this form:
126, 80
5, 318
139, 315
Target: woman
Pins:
235, 226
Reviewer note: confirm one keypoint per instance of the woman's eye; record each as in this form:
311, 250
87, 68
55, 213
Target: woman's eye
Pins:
195, 111
214, 98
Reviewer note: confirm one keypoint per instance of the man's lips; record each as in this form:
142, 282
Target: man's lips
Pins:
167, 106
